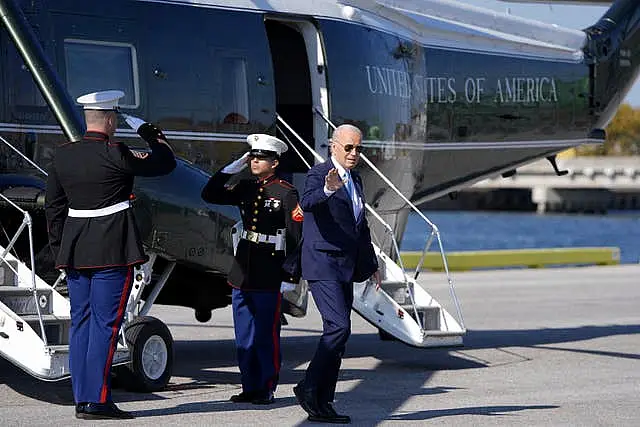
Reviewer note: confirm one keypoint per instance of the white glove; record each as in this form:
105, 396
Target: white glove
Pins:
237, 166
132, 121
287, 286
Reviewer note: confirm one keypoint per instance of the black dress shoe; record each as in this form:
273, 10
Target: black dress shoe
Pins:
307, 399
335, 418
329, 415
265, 398
244, 397
103, 411
80, 407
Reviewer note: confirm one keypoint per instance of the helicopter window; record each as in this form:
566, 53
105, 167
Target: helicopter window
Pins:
94, 65
234, 94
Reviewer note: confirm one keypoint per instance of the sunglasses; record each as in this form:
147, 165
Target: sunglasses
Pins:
350, 147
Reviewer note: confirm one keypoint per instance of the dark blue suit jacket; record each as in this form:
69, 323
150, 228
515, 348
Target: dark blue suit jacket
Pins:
335, 245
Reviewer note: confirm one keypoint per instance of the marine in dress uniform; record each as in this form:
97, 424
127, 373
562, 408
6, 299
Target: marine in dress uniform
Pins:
93, 233
272, 221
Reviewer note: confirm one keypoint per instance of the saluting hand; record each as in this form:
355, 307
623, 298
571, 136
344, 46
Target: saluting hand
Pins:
333, 180
237, 165
132, 121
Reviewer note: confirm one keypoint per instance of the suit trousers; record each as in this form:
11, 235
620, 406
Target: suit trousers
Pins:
256, 320
334, 301
98, 301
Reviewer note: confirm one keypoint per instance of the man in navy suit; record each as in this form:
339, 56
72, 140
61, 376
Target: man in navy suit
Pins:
336, 251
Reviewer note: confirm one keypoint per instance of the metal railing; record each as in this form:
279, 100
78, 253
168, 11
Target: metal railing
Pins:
62, 275
21, 154
26, 222
435, 233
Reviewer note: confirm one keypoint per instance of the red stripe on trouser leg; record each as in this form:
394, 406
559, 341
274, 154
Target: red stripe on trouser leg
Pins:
114, 334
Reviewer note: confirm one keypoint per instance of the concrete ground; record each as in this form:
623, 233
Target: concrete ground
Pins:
553, 347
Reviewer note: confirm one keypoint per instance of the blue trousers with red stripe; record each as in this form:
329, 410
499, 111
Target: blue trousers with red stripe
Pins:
256, 319
98, 301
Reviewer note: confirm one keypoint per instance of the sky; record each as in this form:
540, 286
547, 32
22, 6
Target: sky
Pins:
570, 16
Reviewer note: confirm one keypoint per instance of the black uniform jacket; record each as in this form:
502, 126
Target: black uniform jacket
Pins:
265, 206
92, 174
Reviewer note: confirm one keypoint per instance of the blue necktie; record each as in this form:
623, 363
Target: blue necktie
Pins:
353, 196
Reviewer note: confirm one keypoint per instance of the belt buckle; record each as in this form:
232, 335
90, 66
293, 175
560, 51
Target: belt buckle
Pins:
252, 236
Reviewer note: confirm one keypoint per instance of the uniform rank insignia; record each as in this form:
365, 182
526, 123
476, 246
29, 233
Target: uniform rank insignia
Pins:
272, 203
297, 215
140, 154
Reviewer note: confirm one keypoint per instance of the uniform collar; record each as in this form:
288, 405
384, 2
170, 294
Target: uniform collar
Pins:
266, 180
94, 135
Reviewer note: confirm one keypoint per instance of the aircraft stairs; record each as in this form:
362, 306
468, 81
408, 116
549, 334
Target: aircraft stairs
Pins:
400, 308
35, 320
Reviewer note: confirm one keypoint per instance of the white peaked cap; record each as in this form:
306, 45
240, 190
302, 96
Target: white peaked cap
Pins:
105, 100
266, 144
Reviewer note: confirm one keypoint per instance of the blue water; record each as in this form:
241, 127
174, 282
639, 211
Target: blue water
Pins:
465, 231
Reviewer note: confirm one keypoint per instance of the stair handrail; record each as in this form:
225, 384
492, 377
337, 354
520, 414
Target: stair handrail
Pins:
21, 154
388, 228
435, 232
28, 223
62, 274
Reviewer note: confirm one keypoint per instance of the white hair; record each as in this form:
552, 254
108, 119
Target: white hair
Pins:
345, 128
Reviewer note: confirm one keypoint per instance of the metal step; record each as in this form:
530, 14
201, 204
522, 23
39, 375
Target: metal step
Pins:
120, 357
397, 291
7, 275
56, 328
64, 348
22, 302
60, 348
429, 316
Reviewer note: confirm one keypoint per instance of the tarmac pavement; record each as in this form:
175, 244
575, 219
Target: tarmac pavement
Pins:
552, 347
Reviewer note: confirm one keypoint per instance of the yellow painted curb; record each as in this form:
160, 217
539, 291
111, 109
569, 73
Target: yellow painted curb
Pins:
532, 258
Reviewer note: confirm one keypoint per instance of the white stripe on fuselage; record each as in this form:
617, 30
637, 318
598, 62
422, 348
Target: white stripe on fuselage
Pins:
402, 145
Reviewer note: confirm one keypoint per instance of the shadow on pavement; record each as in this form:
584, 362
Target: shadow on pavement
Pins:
399, 368
474, 410
538, 337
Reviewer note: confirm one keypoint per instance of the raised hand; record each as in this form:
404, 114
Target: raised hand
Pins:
333, 181
237, 165
133, 122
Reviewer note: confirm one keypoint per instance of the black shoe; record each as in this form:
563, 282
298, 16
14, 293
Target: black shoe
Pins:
80, 407
265, 398
244, 397
307, 399
102, 411
330, 419
329, 415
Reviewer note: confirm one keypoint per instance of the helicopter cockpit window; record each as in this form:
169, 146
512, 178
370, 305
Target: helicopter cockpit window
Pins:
94, 65
234, 93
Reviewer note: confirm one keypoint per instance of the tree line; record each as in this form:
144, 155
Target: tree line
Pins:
623, 135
